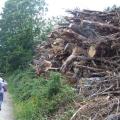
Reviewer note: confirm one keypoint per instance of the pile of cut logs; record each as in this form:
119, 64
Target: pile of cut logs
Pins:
86, 49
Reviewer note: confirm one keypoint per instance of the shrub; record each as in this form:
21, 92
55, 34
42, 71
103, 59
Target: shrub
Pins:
37, 98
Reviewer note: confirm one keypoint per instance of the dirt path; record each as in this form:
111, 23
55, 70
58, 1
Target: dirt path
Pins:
7, 113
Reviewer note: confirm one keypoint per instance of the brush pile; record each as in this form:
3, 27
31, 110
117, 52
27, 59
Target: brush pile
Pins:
86, 49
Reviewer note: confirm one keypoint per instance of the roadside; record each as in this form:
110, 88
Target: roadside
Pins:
7, 111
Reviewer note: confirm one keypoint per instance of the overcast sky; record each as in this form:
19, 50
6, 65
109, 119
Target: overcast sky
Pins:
1, 4
57, 7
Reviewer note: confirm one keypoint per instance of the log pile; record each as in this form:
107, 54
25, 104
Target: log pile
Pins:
86, 49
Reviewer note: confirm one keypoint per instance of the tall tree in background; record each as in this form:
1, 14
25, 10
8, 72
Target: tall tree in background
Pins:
18, 28
113, 8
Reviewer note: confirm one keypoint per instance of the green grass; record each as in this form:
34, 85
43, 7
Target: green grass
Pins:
38, 98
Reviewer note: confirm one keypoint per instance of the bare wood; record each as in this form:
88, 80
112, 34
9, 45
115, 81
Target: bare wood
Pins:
72, 118
92, 51
90, 68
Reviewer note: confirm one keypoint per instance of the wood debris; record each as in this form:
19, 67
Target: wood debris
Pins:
87, 50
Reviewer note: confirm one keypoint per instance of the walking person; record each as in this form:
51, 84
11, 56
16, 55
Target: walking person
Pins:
3, 89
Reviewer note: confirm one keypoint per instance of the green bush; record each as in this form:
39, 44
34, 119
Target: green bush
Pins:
38, 98
54, 86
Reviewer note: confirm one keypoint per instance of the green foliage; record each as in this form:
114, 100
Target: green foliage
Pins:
54, 86
38, 98
46, 27
18, 28
113, 8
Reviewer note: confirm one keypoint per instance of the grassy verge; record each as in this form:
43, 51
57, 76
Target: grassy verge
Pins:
38, 98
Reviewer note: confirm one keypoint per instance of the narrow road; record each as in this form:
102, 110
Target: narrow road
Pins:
7, 112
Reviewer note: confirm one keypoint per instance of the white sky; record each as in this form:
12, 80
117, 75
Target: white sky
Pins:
1, 4
57, 7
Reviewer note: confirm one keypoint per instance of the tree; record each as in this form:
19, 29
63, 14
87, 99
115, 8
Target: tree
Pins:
113, 8
18, 28
46, 27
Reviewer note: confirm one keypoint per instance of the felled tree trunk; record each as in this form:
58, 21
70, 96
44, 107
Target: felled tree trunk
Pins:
101, 49
70, 59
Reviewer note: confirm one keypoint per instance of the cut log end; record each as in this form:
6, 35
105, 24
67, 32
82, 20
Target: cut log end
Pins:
92, 51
